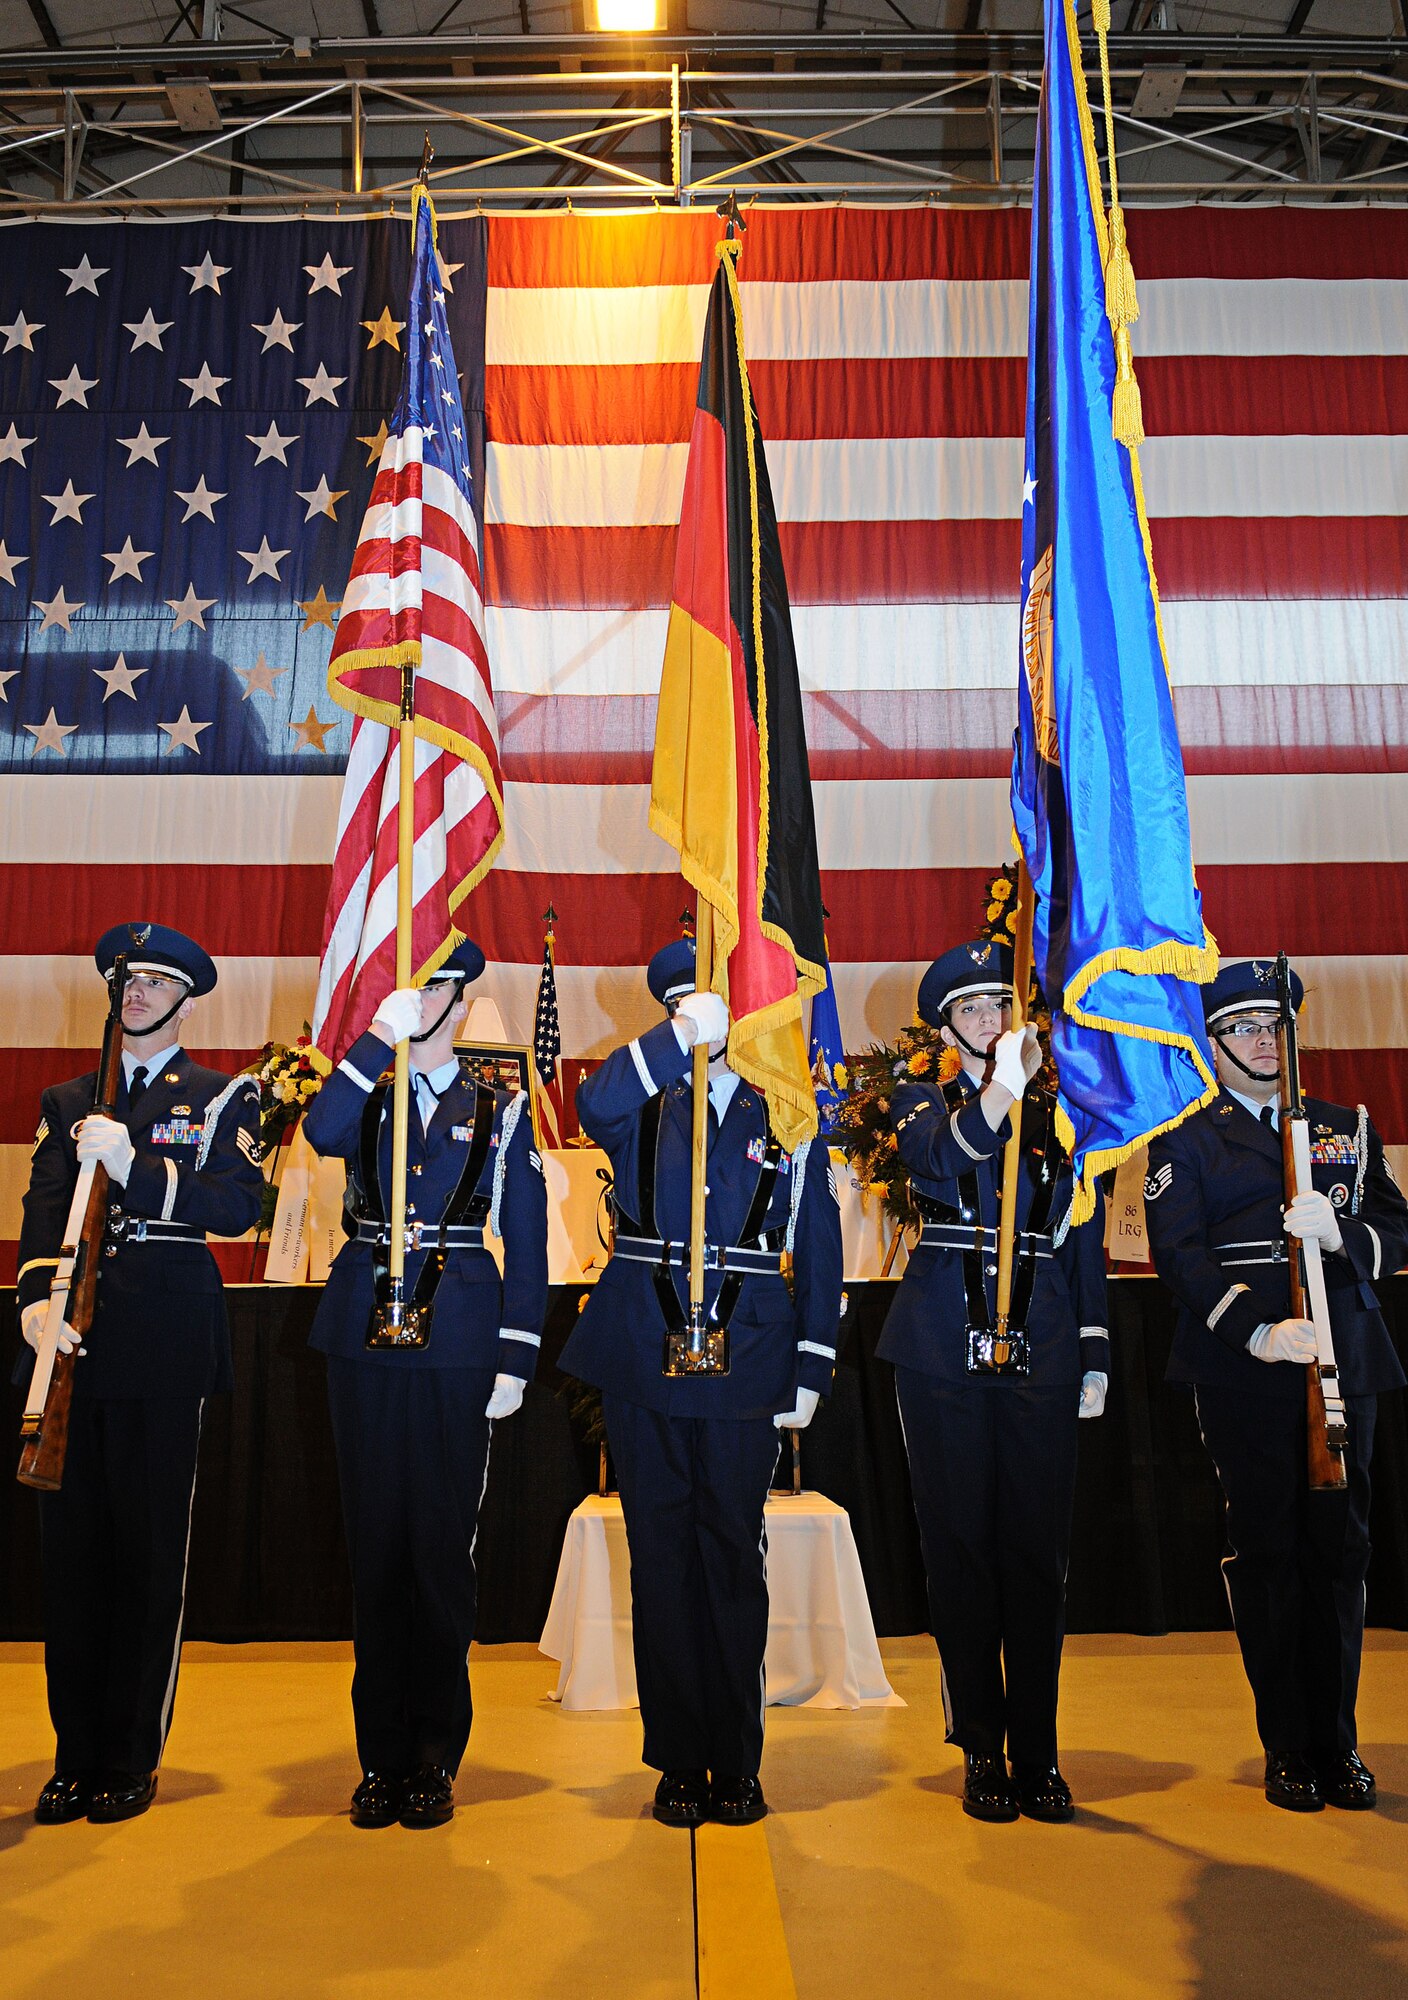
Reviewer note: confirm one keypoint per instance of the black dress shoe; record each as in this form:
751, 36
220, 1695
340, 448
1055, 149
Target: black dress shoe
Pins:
430, 1797
377, 1800
1043, 1794
1347, 1782
682, 1798
65, 1797
988, 1792
1292, 1785
121, 1795
736, 1801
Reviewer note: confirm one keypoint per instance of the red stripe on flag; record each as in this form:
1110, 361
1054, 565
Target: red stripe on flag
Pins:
1232, 395
929, 562
888, 245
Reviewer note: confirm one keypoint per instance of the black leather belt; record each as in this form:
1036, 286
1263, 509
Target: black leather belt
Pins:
144, 1229
969, 1236
717, 1256
425, 1235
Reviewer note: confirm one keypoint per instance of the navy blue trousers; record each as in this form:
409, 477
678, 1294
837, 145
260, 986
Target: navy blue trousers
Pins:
693, 1491
114, 1540
412, 1458
992, 1463
1295, 1565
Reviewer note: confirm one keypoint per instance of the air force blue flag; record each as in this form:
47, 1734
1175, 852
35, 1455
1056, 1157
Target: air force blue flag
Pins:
1098, 795
827, 1056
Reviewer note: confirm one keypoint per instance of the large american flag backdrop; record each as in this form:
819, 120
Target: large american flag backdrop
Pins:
189, 425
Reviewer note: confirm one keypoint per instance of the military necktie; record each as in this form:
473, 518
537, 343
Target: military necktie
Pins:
135, 1088
1268, 1117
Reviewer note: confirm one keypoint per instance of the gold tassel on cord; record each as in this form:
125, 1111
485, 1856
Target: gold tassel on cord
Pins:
1127, 408
1121, 299
1100, 16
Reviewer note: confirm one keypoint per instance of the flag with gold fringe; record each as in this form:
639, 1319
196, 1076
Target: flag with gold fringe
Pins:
730, 785
1098, 794
414, 595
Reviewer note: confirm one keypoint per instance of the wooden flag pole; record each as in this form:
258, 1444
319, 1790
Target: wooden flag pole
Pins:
1012, 1151
703, 975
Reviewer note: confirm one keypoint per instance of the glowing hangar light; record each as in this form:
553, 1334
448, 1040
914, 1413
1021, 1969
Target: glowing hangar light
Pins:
627, 16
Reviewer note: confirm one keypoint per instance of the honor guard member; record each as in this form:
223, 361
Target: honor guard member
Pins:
695, 1456
411, 1425
991, 1437
182, 1157
1218, 1222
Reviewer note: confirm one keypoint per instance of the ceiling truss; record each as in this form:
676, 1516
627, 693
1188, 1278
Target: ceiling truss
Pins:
532, 121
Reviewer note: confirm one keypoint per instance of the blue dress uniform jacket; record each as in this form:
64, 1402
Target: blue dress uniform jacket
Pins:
115, 1535
159, 1324
778, 1342
694, 1457
1296, 1562
409, 1424
992, 1457
943, 1146
472, 1303
1213, 1200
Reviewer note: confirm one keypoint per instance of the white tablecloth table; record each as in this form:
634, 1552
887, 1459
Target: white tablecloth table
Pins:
821, 1637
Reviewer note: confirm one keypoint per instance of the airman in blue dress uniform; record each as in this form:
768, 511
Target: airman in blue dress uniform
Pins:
412, 1425
1218, 1222
695, 1456
182, 1156
991, 1437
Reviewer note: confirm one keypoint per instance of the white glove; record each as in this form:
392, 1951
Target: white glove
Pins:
798, 1419
702, 1017
32, 1327
398, 1016
1311, 1217
1287, 1340
1016, 1058
108, 1142
1093, 1385
505, 1396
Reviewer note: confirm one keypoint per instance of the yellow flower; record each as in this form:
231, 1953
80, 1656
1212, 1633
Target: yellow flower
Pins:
994, 912
919, 1063
1001, 890
841, 1076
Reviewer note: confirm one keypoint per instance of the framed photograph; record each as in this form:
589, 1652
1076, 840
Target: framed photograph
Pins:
504, 1066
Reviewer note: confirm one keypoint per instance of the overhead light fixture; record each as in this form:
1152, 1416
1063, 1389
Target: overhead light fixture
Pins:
627, 17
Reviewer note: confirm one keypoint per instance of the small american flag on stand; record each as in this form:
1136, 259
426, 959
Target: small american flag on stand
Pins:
547, 1038
415, 594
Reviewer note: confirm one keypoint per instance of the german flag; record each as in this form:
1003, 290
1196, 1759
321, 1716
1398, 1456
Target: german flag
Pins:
730, 787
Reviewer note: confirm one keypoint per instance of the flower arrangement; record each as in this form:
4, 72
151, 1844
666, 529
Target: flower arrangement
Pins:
1000, 907
863, 1122
288, 1080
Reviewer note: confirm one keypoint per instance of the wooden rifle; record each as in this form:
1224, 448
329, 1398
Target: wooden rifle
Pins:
1326, 1431
44, 1428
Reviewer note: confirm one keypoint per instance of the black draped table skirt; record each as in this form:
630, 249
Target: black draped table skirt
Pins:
268, 1562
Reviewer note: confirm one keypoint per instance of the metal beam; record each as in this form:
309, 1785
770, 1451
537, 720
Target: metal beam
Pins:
369, 15
43, 20
1300, 14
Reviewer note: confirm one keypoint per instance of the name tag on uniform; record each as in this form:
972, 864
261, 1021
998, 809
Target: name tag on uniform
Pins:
1335, 1150
464, 1133
179, 1132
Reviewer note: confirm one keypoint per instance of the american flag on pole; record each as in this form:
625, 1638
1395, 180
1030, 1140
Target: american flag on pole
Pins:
547, 1039
415, 595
